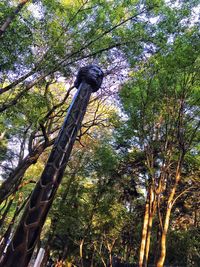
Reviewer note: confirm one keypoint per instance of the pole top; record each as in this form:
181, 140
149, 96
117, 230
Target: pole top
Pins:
91, 74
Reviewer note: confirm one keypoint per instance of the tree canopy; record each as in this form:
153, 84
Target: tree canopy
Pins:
130, 193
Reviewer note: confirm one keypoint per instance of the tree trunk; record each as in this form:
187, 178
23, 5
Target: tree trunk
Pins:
92, 259
144, 234
196, 219
170, 203
161, 260
152, 205
110, 249
157, 245
81, 252
110, 254
100, 254
110, 259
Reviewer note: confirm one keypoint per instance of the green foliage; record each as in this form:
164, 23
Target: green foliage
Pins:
104, 160
98, 201
183, 247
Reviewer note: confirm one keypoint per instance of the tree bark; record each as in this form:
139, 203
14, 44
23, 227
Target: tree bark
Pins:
110, 249
170, 203
152, 204
81, 251
144, 234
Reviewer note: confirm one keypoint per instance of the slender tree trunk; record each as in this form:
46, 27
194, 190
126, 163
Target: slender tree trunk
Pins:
11, 17
100, 253
152, 205
110, 254
157, 246
110, 259
196, 219
144, 234
87, 229
125, 256
92, 259
64, 254
81, 252
161, 259
110, 249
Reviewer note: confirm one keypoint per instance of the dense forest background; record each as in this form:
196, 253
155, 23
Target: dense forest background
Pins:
130, 193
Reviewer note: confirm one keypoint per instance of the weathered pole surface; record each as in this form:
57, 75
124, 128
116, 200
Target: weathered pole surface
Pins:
20, 250
39, 258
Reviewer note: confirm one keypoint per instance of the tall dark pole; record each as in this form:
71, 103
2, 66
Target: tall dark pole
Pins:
20, 250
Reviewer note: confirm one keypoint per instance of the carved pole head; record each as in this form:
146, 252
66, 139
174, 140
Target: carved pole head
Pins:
91, 74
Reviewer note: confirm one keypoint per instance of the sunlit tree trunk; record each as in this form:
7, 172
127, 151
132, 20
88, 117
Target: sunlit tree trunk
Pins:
99, 251
161, 260
196, 219
110, 249
144, 234
152, 205
81, 251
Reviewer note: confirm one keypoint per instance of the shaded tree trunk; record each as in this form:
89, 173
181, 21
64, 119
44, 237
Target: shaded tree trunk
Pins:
157, 245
